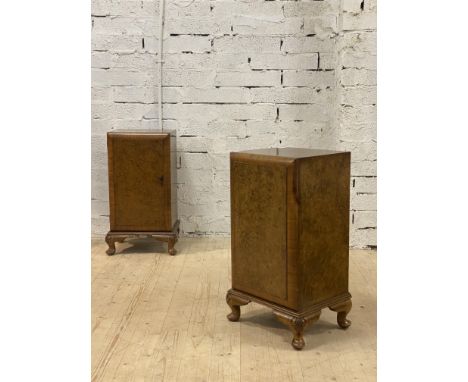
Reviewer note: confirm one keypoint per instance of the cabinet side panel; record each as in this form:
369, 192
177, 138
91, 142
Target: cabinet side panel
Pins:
324, 227
139, 176
174, 213
110, 172
259, 229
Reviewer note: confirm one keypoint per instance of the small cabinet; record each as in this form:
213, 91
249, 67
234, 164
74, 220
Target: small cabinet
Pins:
142, 186
290, 234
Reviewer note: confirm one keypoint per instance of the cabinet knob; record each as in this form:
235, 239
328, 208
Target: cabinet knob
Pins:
161, 180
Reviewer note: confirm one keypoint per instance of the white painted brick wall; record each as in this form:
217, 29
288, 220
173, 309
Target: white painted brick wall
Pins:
357, 99
237, 75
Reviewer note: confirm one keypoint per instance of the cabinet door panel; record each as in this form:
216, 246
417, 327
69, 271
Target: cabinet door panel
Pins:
139, 177
259, 229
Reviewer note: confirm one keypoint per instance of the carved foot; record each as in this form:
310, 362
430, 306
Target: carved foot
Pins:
297, 326
234, 303
170, 247
111, 240
111, 243
342, 309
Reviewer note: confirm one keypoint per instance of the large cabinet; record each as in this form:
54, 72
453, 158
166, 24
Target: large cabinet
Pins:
290, 234
142, 186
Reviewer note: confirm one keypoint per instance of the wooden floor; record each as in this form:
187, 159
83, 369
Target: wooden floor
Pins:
162, 318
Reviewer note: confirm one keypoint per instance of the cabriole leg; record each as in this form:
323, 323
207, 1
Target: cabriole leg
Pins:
297, 326
111, 240
234, 303
342, 309
111, 244
170, 246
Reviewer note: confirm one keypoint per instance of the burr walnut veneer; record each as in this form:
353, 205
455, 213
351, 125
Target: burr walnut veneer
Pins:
290, 234
142, 186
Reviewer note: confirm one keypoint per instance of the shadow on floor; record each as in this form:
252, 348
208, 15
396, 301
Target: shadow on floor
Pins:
319, 333
132, 246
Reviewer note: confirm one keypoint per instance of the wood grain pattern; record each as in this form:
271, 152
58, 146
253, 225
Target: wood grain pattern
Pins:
259, 235
290, 232
162, 318
323, 227
142, 186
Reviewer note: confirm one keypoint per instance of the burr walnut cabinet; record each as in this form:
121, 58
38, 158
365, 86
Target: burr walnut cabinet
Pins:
290, 234
142, 186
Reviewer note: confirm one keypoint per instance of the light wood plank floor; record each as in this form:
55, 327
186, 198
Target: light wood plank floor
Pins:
162, 318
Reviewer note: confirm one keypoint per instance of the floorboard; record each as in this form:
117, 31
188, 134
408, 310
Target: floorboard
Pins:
157, 317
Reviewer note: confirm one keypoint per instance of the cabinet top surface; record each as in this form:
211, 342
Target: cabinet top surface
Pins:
142, 131
290, 152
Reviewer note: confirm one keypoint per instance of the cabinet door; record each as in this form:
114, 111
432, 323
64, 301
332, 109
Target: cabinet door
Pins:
259, 229
139, 182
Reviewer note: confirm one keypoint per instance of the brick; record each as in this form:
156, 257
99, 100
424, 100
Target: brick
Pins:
292, 95
121, 44
361, 21
254, 44
135, 94
218, 61
194, 177
194, 144
363, 201
197, 44
195, 95
121, 77
258, 9
363, 238
328, 61
241, 78
129, 26
285, 61
352, 6
315, 113
352, 77
312, 8
100, 60
364, 220
359, 114
279, 26
364, 184
100, 208
136, 8
308, 78
197, 161
358, 131
183, 9
136, 61
311, 44
121, 110
358, 60
197, 25
358, 95
364, 168
101, 94
189, 78
363, 41
323, 27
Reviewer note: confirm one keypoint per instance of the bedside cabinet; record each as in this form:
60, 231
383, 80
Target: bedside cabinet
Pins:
290, 234
142, 186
